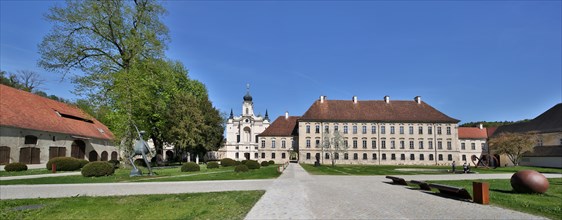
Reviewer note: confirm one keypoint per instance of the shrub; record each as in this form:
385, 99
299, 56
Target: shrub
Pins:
264, 163
238, 163
115, 163
190, 167
140, 163
11, 167
227, 162
83, 162
97, 168
241, 168
252, 164
271, 162
212, 165
244, 162
64, 163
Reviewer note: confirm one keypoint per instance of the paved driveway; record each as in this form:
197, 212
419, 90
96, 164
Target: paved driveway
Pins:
298, 195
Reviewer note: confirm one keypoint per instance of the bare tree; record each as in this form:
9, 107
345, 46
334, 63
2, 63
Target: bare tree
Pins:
333, 144
29, 80
513, 145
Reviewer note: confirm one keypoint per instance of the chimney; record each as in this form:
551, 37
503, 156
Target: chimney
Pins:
418, 99
322, 98
386, 99
286, 115
354, 99
481, 126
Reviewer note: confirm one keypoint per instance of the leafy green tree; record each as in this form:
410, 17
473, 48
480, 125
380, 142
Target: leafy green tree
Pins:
513, 145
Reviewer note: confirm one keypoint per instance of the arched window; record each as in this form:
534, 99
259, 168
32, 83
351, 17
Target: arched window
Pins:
93, 156
104, 156
114, 155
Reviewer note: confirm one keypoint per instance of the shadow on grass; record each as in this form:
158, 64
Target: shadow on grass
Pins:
504, 191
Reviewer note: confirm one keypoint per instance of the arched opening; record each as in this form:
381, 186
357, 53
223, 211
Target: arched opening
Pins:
169, 155
113, 155
4, 155
30, 155
104, 156
247, 134
93, 156
78, 149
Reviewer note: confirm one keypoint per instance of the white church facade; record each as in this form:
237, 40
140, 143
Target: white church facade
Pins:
242, 132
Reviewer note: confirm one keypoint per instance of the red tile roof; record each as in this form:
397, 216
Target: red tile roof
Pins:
22, 109
282, 127
375, 110
473, 133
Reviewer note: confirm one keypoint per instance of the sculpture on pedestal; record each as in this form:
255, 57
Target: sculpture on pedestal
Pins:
140, 148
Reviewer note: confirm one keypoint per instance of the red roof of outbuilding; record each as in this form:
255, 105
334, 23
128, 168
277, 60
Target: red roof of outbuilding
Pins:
375, 110
282, 127
472, 133
23, 109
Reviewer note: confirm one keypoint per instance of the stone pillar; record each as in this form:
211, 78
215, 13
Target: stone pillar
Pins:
197, 159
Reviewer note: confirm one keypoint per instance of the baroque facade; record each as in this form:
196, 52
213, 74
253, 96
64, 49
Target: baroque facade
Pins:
34, 129
242, 132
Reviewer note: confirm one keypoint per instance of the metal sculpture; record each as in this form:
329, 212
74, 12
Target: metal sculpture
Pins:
140, 148
484, 163
529, 181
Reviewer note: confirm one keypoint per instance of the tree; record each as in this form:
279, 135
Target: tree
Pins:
334, 145
513, 145
29, 80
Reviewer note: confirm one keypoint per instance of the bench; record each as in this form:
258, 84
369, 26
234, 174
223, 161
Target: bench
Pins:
423, 185
451, 190
397, 180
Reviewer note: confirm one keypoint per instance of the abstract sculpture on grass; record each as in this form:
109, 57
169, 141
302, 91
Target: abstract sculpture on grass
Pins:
529, 181
140, 148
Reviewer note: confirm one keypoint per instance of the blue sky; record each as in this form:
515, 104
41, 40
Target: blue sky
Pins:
480, 60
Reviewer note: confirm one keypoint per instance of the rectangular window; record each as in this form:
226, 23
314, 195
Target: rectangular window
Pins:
317, 143
308, 129
463, 157
307, 143
392, 144
374, 131
463, 146
392, 156
374, 156
411, 144
256, 155
448, 130
429, 130
420, 130
411, 130
472, 146
401, 144
308, 156
282, 155
262, 155
283, 145
272, 155
483, 146
354, 143
439, 145
383, 130
262, 143
364, 130
237, 138
336, 128
236, 155
391, 129
383, 144
421, 157
383, 156
355, 157
345, 156
438, 130
412, 157
449, 145
317, 129
364, 143
449, 157
272, 143
430, 145
364, 156
430, 156
374, 144
401, 129
421, 144
354, 129
402, 157
345, 129
327, 156
440, 157
326, 129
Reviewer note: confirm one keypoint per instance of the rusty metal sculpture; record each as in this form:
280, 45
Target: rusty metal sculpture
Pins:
140, 148
484, 163
529, 181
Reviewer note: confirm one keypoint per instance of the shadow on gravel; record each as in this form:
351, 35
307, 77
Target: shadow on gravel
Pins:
446, 196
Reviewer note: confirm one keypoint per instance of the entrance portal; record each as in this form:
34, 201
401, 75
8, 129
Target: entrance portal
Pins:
247, 156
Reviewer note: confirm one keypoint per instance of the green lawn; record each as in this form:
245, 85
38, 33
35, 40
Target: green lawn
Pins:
164, 174
393, 169
216, 205
27, 172
501, 194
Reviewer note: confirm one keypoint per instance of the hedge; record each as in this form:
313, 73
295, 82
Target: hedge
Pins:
98, 168
241, 168
190, 167
212, 165
115, 163
252, 164
227, 162
64, 163
271, 162
264, 163
83, 162
14, 167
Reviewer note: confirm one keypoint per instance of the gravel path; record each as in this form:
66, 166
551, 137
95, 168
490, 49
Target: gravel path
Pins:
298, 195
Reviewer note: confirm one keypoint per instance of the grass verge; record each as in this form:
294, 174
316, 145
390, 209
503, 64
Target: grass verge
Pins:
501, 194
394, 169
165, 174
215, 205
26, 172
